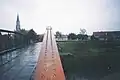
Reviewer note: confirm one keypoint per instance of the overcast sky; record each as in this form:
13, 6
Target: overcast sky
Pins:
63, 15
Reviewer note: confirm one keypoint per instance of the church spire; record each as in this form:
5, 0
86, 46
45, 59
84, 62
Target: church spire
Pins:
18, 17
17, 23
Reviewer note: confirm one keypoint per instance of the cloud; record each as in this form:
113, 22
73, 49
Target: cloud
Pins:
63, 15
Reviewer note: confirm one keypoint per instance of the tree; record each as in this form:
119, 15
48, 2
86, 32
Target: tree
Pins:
93, 38
79, 36
31, 35
82, 37
23, 31
72, 36
85, 37
82, 31
58, 34
40, 38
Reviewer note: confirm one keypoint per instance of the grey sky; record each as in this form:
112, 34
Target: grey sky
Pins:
63, 15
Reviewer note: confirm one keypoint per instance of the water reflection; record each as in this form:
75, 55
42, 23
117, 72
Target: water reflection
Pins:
19, 64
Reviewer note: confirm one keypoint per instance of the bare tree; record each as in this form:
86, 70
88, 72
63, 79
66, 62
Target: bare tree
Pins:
83, 31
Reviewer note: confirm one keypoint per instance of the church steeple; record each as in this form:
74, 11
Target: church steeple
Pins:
18, 17
17, 23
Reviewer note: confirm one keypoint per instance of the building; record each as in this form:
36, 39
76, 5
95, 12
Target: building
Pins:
62, 38
18, 24
107, 35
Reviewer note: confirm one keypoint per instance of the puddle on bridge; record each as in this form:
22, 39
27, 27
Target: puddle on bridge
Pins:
19, 64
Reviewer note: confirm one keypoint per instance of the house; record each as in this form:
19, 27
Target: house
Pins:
107, 35
62, 38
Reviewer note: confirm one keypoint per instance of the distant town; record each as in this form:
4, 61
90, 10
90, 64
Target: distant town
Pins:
102, 36
21, 36
17, 38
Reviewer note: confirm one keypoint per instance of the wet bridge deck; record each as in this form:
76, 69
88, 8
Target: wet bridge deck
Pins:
19, 64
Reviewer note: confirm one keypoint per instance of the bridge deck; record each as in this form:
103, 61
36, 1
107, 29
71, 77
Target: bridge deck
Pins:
49, 65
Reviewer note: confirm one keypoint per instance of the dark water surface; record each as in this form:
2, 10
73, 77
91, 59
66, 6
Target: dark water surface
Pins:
19, 64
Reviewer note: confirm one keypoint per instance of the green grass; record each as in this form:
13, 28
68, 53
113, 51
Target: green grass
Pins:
90, 48
91, 59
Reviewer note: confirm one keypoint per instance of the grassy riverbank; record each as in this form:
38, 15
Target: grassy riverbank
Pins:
92, 60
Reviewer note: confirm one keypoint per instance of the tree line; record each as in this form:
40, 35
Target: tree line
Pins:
82, 35
8, 41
